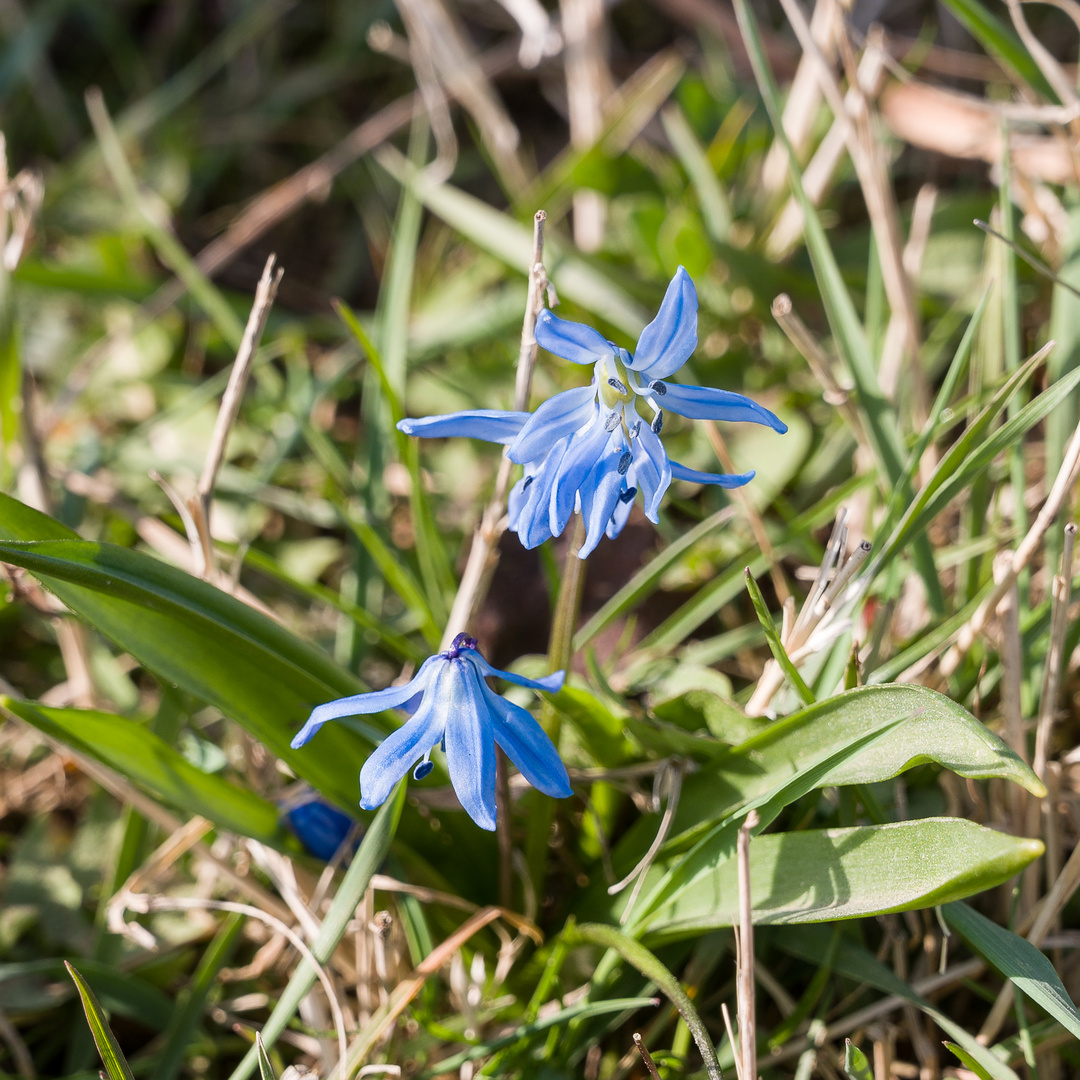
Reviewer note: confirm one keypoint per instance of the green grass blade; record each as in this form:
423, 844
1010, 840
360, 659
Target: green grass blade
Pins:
1018, 960
367, 860
714, 201
776, 646
111, 1055
191, 1004
266, 1070
1002, 42
877, 413
635, 954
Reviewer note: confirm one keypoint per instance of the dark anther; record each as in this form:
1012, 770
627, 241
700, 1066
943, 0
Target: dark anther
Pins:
627, 495
635, 429
528, 481
659, 388
462, 641
658, 422
423, 769
618, 384
624, 462
612, 422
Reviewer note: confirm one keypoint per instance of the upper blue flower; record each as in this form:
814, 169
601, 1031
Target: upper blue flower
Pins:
590, 448
450, 703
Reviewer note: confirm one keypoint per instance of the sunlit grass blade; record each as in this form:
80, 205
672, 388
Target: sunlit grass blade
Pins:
367, 860
855, 1064
776, 646
1018, 960
878, 415
111, 1055
635, 954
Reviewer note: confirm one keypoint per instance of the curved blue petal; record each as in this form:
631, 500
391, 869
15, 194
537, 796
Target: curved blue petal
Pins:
528, 747
393, 697
532, 521
706, 403
671, 338
552, 683
581, 455
516, 500
576, 342
599, 497
724, 480
491, 425
402, 749
653, 470
470, 745
556, 418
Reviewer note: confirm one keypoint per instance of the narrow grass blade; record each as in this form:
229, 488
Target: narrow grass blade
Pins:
776, 646
111, 1055
266, 1070
967, 1060
367, 860
877, 413
635, 954
855, 1063
1018, 960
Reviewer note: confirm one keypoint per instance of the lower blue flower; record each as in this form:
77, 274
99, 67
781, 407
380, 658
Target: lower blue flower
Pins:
320, 827
451, 704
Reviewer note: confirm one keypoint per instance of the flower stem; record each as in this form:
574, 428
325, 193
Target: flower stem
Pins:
560, 653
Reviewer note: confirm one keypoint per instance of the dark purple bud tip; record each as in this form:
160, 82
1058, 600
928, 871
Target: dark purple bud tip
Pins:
423, 769
462, 641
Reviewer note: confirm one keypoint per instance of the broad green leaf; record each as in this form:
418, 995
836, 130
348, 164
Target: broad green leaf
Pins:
1018, 960
821, 875
932, 728
111, 1055
137, 753
1002, 42
196, 637
855, 1063
853, 961
368, 858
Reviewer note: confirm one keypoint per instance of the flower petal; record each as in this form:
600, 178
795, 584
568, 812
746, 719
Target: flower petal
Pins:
599, 497
393, 697
470, 745
706, 403
576, 342
671, 338
558, 417
491, 425
531, 524
529, 748
724, 480
581, 455
402, 749
653, 470
552, 683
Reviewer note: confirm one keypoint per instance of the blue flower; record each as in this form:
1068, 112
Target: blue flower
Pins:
590, 448
450, 703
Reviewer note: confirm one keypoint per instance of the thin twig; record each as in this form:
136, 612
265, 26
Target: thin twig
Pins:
744, 978
484, 554
199, 504
1059, 493
731, 1037
646, 1057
